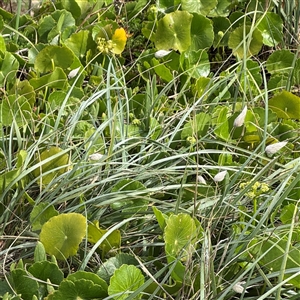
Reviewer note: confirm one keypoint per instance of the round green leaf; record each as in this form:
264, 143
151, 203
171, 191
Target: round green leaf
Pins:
271, 26
201, 86
64, 19
174, 31
251, 77
64, 27
53, 56
260, 5
288, 213
56, 79
71, 6
89, 276
286, 105
202, 33
95, 233
196, 63
59, 165
280, 61
196, 127
296, 73
7, 177
59, 24
276, 248
46, 25
22, 284
160, 217
162, 71
15, 108
220, 120
40, 214
62, 234
155, 129
199, 6
221, 31
8, 68
125, 280
25, 89
222, 9
167, 5
44, 270
261, 114
238, 18
243, 37
80, 42
78, 289
283, 131
108, 267
180, 233
129, 204
278, 82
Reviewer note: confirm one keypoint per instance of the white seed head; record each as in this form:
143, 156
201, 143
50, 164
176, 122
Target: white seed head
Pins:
220, 176
200, 179
240, 119
238, 288
73, 73
161, 53
95, 156
273, 148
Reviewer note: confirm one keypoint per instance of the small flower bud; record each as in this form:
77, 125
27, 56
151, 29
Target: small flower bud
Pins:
238, 288
95, 156
73, 73
161, 53
240, 119
220, 176
273, 148
201, 180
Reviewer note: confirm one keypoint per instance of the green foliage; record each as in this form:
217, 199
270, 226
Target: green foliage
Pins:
245, 42
108, 268
54, 162
181, 234
51, 57
81, 285
127, 204
173, 31
40, 214
150, 149
202, 7
27, 287
286, 105
112, 241
270, 26
62, 234
125, 280
276, 254
8, 68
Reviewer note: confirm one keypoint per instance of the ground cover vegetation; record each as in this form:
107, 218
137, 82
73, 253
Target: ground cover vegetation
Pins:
150, 150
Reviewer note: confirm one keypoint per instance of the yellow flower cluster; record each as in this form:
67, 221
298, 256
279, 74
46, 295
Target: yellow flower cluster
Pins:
257, 189
191, 140
105, 46
136, 122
